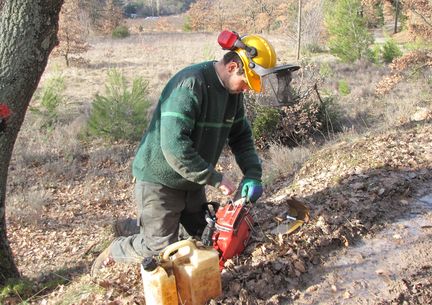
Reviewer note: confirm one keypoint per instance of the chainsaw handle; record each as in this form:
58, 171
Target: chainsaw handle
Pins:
166, 253
215, 206
239, 201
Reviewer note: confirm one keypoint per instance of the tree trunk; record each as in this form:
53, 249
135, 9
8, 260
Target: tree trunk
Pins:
396, 17
299, 28
28, 33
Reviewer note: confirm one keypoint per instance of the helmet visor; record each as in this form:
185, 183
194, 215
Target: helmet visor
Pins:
253, 80
276, 82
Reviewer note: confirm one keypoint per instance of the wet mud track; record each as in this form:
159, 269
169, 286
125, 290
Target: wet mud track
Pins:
393, 267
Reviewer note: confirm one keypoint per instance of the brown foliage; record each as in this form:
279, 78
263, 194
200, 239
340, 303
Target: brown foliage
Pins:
112, 16
299, 122
206, 15
403, 66
72, 34
299, 119
103, 16
251, 15
419, 13
258, 16
199, 15
369, 11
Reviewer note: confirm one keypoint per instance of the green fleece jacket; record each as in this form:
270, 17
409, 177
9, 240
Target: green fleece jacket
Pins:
193, 120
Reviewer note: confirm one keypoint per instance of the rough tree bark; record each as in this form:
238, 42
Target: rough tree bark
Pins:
28, 33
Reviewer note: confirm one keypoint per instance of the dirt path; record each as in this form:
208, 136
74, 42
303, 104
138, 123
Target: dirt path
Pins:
379, 270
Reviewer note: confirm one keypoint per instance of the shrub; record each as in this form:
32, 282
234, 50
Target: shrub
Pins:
27, 207
287, 125
373, 13
325, 70
299, 122
186, 25
329, 115
120, 31
374, 54
343, 87
390, 50
50, 98
121, 113
302, 121
314, 48
265, 121
418, 44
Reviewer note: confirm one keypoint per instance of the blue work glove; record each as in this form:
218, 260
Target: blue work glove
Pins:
251, 189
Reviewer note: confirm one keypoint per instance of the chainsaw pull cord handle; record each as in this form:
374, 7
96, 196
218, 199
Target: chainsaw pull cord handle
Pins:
207, 235
166, 253
210, 217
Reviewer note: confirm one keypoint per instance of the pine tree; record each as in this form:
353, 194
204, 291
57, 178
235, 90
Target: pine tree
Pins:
349, 37
121, 113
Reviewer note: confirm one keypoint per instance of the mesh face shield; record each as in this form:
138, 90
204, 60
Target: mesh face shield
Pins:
276, 83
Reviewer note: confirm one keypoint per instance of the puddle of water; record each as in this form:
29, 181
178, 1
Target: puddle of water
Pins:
367, 271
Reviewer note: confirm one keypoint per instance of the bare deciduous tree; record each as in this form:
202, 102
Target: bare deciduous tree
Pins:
112, 16
419, 13
104, 15
72, 33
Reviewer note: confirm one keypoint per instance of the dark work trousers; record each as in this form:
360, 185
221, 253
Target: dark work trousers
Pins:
161, 210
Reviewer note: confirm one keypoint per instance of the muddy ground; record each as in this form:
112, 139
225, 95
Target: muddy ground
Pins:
368, 240
393, 267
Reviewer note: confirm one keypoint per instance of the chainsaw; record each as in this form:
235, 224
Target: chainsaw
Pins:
229, 227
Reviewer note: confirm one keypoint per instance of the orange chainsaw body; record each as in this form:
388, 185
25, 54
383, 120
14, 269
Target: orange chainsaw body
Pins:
232, 231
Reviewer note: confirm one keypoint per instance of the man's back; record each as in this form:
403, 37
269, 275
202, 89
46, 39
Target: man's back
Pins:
189, 128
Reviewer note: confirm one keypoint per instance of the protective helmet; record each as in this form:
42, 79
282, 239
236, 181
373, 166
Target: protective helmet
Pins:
255, 61
259, 60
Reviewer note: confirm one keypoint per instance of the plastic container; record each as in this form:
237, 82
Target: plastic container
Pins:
196, 271
159, 283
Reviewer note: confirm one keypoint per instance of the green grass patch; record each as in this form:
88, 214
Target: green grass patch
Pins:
21, 289
79, 291
343, 87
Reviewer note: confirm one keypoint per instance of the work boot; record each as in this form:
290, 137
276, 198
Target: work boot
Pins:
125, 227
102, 261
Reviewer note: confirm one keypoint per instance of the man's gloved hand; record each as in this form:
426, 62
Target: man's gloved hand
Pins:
226, 186
251, 189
